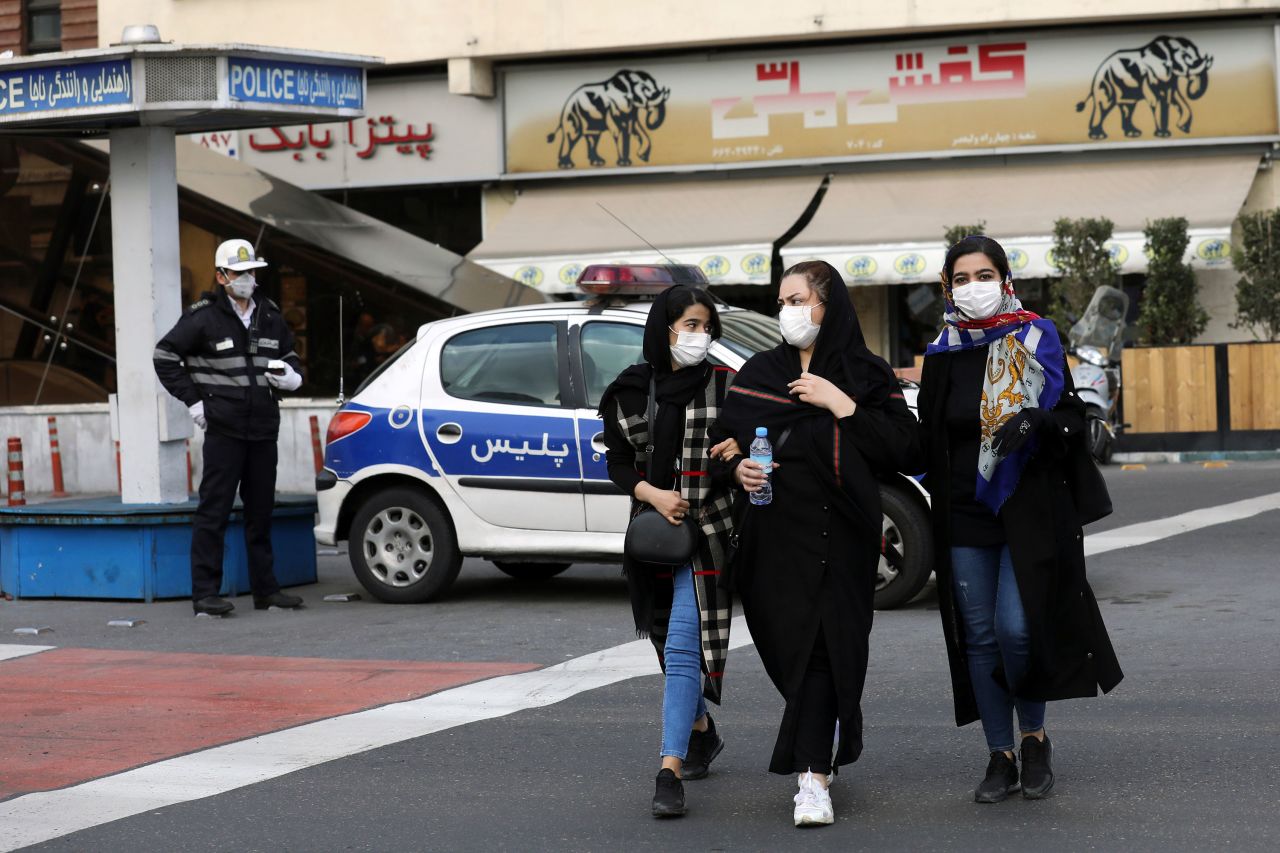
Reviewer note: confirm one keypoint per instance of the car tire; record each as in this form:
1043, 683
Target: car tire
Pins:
402, 547
531, 571
906, 559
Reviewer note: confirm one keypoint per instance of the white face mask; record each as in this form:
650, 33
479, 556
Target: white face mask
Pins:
690, 348
798, 328
979, 300
243, 287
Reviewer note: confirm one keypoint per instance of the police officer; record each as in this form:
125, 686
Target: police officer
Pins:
216, 360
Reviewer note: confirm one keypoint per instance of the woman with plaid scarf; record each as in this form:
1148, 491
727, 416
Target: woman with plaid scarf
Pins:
684, 611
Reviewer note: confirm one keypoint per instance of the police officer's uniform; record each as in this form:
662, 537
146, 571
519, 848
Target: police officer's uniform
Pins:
210, 356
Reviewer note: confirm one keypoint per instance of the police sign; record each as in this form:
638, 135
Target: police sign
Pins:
300, 84
48, 88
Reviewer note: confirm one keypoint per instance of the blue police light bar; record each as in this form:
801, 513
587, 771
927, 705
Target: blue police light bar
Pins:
638, 279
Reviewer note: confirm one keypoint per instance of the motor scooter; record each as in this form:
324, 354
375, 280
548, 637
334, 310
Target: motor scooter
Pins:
1096, 340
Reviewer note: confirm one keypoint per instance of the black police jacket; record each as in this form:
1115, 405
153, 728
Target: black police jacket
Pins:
209, 355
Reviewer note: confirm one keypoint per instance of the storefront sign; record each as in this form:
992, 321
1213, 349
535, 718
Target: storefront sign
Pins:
86, 84
559, 274
935, 97
300, 84
415, 133
1210, 248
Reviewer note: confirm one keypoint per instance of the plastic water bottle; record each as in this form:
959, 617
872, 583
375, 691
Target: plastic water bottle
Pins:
762, 454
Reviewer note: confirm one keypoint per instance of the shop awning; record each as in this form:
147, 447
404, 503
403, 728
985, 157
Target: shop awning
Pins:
886, 226
728, 226
456, 283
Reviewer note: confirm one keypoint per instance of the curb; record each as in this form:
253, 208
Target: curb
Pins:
1198, 456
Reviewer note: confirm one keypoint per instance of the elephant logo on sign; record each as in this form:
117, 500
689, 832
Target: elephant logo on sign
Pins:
628, 105
1168, 71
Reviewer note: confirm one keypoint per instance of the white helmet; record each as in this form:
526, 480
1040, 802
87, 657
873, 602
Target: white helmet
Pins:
237, 255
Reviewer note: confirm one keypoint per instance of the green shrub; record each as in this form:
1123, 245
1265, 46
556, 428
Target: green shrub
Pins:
1084, 264
956, 233
1257, 259
1170, 312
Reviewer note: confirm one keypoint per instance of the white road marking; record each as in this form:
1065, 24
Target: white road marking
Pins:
38, 817
1146, 532
9, 651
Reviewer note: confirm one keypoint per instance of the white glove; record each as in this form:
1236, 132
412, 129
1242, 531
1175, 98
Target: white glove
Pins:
290, 380
197, 414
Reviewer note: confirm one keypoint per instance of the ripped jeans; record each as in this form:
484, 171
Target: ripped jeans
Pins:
995, 631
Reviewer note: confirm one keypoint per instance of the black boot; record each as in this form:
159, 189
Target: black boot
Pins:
213, 606
276, 599
1037, 774
703, 749
1001, 781
668, 797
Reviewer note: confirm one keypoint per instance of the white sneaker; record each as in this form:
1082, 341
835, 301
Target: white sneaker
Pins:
813, 802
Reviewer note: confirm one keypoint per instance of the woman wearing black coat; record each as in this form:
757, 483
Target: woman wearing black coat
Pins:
1002, 431
669, 465
806, 564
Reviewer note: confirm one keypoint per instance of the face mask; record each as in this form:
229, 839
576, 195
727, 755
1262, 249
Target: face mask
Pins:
242, 287
690, 348
980, 299
798, 328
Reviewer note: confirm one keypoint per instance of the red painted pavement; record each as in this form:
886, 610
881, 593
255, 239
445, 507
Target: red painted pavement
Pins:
70, 715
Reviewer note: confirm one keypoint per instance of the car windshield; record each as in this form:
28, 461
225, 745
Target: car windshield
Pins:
381, 368
747, 333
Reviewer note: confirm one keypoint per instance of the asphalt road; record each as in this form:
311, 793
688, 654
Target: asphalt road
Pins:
1177, 758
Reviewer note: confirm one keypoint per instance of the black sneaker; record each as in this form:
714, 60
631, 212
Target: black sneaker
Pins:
213, 606
703, 749
276, 599
1001, 781
1037, 775
668, 797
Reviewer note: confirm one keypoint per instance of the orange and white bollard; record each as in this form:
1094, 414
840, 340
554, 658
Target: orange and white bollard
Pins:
17, 488
317, 450
119, 481
55, 455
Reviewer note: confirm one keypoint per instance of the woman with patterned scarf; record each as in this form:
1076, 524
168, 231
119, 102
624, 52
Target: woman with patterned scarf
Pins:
805, 568
684, 612
999, 425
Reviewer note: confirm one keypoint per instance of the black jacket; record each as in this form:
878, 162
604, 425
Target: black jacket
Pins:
1071, 654
209, 355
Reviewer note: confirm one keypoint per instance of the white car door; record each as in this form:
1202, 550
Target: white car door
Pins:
498, 418
601, 348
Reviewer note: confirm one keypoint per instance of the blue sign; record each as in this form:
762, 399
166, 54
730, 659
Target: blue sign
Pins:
64, 87
298, 84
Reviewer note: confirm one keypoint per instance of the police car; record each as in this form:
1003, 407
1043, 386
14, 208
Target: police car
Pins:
480, 439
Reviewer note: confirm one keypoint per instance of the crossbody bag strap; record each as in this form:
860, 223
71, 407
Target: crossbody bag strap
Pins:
650, 415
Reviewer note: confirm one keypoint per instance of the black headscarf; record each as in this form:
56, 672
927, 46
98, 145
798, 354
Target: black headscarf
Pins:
760, 396
675, 389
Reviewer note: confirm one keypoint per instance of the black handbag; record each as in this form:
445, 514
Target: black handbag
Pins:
650, 537
1088, 488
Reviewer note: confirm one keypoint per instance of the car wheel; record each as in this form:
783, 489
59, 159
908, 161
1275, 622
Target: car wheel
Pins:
906, 552
531, 571
402, 547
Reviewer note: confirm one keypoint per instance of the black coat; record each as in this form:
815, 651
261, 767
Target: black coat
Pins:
1071, 654
209, 355
807, 561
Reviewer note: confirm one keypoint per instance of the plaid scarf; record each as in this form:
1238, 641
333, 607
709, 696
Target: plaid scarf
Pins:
713, 512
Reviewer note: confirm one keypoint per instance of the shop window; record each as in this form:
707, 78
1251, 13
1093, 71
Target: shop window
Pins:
44, 26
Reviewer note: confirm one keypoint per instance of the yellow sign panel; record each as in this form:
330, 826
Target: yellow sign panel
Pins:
941, 96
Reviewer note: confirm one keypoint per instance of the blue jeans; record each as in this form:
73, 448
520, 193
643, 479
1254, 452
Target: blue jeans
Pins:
995, 631
682, 701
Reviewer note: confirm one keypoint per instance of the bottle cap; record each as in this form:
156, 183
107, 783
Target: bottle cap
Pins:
762, 432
